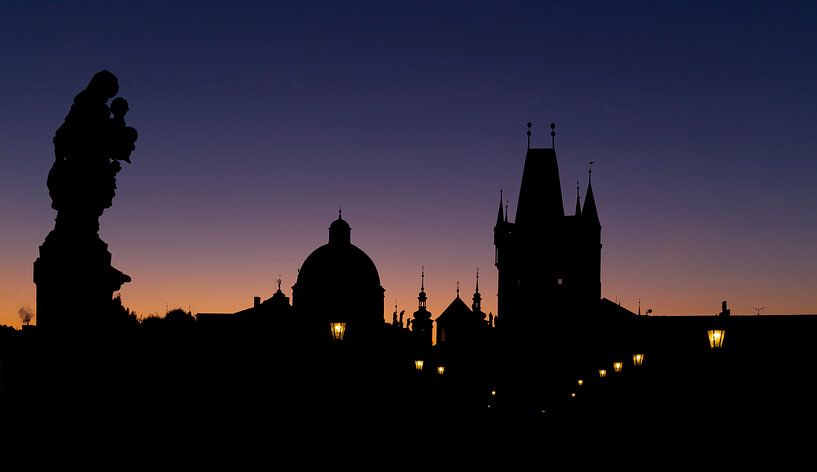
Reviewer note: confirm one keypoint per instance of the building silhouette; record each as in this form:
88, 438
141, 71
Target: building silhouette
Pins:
338, 282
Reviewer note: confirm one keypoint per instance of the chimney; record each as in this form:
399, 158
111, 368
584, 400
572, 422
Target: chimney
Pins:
256, 302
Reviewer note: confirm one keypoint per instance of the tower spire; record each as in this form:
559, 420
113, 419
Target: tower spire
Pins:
340, 211
477, 289
458, 289
422, 278
552, 135
422, 296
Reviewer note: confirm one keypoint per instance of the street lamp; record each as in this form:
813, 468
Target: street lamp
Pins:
716, 338
418, 365
338, 329
617, 366
441, 369
602, 373
580, 382
638, 359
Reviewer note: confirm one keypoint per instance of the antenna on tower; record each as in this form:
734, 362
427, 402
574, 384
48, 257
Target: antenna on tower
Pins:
590, 171
553, 135
530, 125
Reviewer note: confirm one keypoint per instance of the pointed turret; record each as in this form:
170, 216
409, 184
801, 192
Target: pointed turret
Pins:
589, 212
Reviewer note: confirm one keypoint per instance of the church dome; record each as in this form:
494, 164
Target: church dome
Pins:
339, 282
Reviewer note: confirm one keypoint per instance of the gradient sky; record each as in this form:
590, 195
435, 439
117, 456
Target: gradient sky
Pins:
256, 120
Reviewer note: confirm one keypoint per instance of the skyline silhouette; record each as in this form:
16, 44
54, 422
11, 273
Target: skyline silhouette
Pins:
702, 138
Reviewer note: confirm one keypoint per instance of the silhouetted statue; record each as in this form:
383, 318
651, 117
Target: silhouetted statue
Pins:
73, 274
402, 314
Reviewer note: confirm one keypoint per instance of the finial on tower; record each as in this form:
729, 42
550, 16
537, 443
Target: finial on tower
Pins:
422, 278
340, 211
553, 135
530, 125
458, 289
590, 170
477, 290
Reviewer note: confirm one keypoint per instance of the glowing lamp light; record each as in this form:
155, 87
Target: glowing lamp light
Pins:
602, 373
493, 393
580, 382
573, 395
338, 330
716, 338
418, 365
617, 366
638, 359
441, 369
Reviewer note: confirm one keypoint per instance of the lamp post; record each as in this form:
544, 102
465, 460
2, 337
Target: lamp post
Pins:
602, 373
418, 365
617, 366
638, 359
440, 369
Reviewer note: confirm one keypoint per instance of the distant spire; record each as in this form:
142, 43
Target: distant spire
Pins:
552, 135
506, 211
458, 289
499, 216
590, 172
340, 211
578, 200
477, 290
530, 125
639, 307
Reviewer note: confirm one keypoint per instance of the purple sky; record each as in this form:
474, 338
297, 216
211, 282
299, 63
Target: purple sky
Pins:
257, 120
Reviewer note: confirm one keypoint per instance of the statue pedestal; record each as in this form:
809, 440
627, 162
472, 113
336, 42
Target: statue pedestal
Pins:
75, 283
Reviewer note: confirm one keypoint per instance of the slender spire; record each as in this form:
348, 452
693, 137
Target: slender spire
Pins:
506, 211
340, 211
499, 216
422, 278
476, 306
552, 135
422, 296
458, 289
578, 201
639, 307
530, 125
